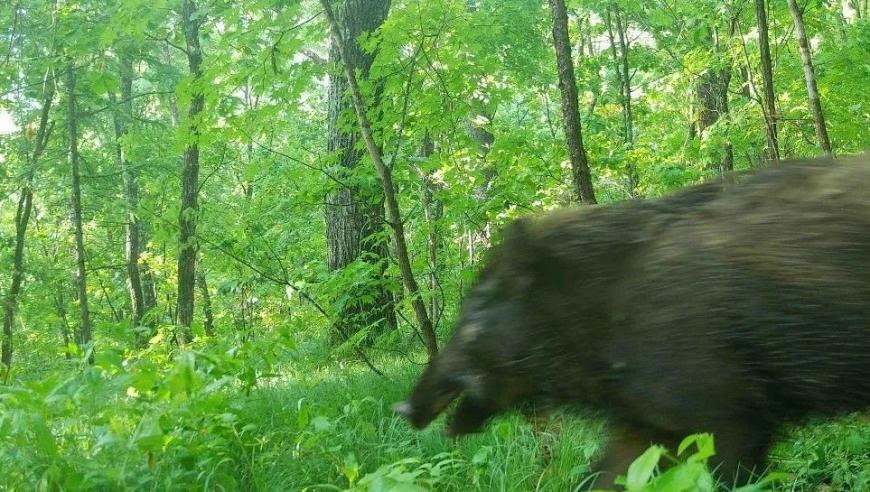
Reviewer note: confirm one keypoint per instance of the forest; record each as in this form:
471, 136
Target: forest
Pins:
234, 232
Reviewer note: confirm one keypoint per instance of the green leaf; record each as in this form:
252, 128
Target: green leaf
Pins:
481, 456
44, 441
686, 477
641, 469
321, 423
149, 435
704, 443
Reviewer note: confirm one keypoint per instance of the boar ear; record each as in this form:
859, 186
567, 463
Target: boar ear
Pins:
520, 238
525, 256
562, 249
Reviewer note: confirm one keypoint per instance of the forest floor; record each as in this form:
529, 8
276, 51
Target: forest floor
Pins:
200, 420
336, 428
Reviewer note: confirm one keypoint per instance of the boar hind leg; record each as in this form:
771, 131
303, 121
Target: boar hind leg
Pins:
625, 445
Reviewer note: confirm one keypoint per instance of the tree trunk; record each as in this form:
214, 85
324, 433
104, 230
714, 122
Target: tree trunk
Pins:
206, 303
626, 78
614, 54
22, 218
856, 6
170, 98
746, 85
187, 217
810, 77
582, 179
355, 213
81, 272
625, 87
149, 288
60, 309
769, 104
433, 210
581, 29
122, 117
476, 127
713, 95
117, 316
393, 214
837, 12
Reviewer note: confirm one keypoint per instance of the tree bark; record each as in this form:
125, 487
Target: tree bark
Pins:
122, 116
745, 83
393, 214
614, 53
477, 126
625, 87
206, 303
626, 78
769, 103
856, 6
60, 309
433, 210
187, 217
713, 95
22, 218
810, 77
81, 273
355, 213
149, 289
581, 177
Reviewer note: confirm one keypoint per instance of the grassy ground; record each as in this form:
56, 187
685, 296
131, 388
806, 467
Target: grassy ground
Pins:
335, 428
351, 432
192, 423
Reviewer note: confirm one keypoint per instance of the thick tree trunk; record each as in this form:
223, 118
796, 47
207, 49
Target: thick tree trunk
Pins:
477, 127
187, 217
769, 102
582, 179
206, 303
713, 95
122, 117
393, 214
355, 213
81, 273
810, 77
22, 218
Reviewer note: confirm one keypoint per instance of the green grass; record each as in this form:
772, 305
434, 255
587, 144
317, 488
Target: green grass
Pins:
350, 432
330, 430
196, 423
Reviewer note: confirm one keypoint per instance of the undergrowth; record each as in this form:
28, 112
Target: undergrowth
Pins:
250, 416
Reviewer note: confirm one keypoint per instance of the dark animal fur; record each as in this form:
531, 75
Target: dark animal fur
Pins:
724, 309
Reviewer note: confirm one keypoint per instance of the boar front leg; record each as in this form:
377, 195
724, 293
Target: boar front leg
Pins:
470, 417
625, 445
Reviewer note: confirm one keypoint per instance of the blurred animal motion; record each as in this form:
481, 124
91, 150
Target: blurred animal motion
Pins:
728, 309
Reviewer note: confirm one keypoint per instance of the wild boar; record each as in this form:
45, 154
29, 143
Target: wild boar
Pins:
728, 309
